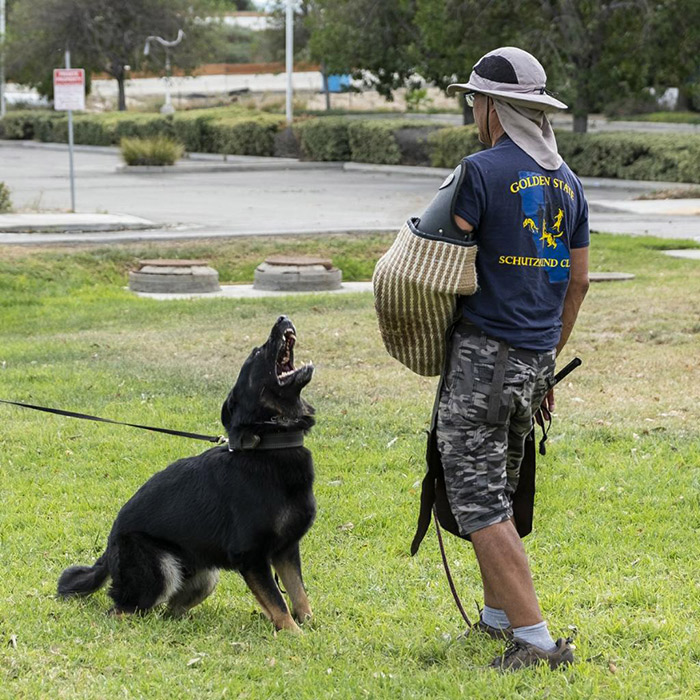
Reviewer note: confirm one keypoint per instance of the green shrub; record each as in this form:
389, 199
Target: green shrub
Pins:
448, 146
51, 127
144, 127
373, 141
251, 137
5, 201
92, 131
391, 141
669, 157
158, 150
646, 156
196, 134
323, 139
17, 125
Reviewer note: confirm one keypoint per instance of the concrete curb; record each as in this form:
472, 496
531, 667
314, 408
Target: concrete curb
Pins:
209, 167
246, 291
161, 234
686, 253
416, 170
62, 222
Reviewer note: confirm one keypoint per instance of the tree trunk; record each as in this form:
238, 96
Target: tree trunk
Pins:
324, 75
581, 123
683, 103
122, 94
467, 113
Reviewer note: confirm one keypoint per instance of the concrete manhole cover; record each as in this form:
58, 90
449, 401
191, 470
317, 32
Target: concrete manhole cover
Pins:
174, 277
297, 273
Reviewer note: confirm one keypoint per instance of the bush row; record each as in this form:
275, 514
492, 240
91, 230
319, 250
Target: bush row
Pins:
236, 133
384, 141
629, 156
645, 156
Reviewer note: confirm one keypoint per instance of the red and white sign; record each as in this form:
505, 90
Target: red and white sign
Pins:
68, 88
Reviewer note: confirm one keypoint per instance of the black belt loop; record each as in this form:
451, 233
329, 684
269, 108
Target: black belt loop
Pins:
499, 376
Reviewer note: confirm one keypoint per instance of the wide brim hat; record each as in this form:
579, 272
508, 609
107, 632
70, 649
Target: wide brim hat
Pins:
512, 75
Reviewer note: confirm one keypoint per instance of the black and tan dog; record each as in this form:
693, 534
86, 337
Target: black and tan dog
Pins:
244, 506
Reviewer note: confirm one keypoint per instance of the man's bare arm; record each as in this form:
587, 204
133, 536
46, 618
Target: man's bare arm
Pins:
463, 223
575, 293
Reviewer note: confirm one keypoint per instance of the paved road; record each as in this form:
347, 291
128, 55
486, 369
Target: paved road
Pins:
214, 202
247, 201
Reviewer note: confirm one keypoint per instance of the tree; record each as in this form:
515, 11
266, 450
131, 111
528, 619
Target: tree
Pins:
102, 35
597, 49
594, 51
273, 39
454, 34
233, 5
373, 40
673, 50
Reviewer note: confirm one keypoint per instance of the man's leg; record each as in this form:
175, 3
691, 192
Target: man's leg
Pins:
506, 574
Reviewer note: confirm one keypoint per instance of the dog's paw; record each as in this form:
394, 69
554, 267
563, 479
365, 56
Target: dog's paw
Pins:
303, 616
288, 626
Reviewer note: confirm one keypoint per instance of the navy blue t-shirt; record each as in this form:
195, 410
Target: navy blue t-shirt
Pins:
527, 219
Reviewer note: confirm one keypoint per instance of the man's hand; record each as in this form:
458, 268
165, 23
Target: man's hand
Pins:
548, 401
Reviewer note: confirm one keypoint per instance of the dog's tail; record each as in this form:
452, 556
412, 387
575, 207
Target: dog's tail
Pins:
83, 580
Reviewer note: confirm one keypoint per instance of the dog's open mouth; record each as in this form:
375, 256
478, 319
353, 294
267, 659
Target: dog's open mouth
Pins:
285, 358
285, 371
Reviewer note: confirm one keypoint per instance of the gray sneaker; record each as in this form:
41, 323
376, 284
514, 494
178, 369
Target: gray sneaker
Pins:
520, 654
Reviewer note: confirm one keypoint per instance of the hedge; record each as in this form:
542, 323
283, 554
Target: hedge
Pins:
239, 133
624, 155
390, 141
324, 139
449, 145
645, 156
633, 156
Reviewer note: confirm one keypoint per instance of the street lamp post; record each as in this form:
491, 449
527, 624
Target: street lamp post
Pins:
2, 58
167, 108
289, 42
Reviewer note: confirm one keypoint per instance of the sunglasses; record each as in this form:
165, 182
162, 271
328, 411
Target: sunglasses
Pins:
469, 98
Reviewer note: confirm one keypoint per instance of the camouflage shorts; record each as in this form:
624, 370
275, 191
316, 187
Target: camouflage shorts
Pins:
489, 392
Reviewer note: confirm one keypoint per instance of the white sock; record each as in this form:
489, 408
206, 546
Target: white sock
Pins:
494, 617
537, 635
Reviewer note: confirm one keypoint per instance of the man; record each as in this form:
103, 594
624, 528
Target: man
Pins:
530, 219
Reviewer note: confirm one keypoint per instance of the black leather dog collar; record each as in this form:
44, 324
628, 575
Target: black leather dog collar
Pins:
269, 441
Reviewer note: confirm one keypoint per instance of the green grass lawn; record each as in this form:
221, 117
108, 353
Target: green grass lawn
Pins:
615, 549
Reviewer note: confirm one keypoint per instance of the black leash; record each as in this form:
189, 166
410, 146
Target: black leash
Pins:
448, 573
218, 440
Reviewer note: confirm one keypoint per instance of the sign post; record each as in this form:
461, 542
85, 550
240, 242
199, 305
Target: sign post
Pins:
69, 94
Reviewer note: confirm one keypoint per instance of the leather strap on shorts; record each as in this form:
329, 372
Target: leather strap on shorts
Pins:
499, 375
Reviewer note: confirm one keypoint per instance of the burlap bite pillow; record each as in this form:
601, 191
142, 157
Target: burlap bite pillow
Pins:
416, 285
